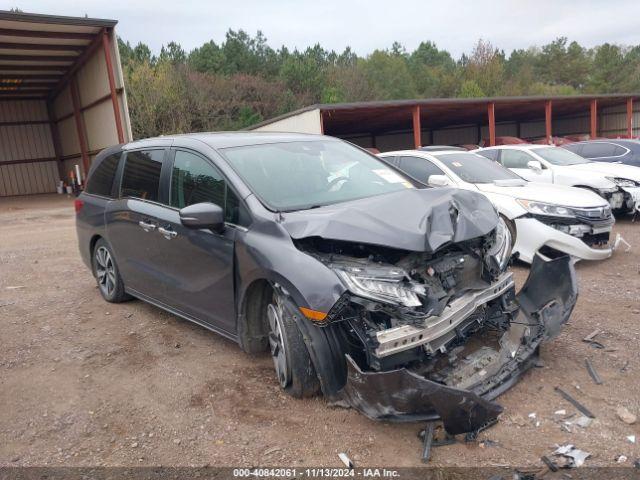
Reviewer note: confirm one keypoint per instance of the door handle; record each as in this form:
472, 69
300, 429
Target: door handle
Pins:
147, 227
167, 233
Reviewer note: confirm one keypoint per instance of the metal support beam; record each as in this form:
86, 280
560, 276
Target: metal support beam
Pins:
491, 112
547, 120
55, 136
106, 46
41, 47
630, 117
75, 99
594, 118
417, 131
10, 32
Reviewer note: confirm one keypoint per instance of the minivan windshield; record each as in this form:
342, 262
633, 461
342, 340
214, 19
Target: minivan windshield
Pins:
560, 156
474, 168
307, 174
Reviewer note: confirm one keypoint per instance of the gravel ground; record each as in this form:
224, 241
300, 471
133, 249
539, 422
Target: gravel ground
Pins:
86, 383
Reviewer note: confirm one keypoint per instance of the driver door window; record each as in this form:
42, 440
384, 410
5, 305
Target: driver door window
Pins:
419, 169
195, 180
515, 158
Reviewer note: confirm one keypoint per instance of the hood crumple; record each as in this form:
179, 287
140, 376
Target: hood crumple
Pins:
412, 219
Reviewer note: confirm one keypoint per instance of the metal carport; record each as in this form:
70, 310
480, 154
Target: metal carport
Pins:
62, 98
395, 124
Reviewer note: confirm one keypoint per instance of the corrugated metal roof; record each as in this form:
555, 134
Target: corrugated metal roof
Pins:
380, 116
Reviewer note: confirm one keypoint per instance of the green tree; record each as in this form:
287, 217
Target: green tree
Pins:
388, 75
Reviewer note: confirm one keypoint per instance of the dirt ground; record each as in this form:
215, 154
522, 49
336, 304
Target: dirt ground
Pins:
87, 383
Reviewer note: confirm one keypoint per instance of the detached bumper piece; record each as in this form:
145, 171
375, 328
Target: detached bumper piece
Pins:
463, 401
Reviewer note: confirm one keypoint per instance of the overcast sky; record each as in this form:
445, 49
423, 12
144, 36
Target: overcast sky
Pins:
364, 25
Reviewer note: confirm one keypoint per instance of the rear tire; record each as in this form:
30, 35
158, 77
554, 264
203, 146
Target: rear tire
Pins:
294, 369
107, 274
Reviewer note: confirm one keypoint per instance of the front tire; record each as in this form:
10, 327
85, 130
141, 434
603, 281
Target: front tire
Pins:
107, 274
294, 369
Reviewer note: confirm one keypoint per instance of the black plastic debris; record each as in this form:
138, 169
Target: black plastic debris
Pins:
575, 403
592, 372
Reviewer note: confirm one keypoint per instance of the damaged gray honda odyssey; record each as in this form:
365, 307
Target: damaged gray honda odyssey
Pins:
394, 300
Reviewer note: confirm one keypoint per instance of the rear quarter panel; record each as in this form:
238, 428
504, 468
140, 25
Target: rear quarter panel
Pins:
90, 224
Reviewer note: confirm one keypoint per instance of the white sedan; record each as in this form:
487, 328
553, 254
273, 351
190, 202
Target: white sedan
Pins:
541, 217
619, 184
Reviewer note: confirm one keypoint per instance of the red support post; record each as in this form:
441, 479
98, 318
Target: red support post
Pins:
75, 99
547, 120
629, 117
491, 111
594, 118
106, 46
417, 131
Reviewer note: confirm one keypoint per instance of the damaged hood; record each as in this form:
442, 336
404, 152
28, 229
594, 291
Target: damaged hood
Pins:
412, 219
611, 169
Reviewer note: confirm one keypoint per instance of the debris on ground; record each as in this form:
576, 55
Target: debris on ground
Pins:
575, 403
592, 372
560, 412
619, 240
621, 459
434, 438
346, 460
583, 421
626, 416
590, 339
631, 438
553, 466
271, 450
572, 455
636, 464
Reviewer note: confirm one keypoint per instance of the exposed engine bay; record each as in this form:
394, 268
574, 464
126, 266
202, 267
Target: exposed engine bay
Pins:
439, 334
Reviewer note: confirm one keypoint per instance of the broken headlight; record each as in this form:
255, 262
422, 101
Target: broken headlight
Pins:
541, 208
384, 285
500, 250
623, 182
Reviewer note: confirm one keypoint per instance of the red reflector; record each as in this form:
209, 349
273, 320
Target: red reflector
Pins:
78, 204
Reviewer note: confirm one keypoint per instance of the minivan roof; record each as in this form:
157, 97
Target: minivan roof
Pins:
235, 139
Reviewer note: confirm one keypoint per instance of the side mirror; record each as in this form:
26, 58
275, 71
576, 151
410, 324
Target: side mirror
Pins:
203, 215
439, 181
534, 165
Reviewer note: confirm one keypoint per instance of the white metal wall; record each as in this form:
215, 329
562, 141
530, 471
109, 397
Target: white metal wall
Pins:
18, 143
96, 110
305, 122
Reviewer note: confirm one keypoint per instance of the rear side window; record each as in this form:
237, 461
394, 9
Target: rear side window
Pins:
595, 150
195, 180
141, 176
101, 180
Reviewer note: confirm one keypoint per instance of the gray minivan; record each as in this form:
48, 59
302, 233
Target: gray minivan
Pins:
393, 299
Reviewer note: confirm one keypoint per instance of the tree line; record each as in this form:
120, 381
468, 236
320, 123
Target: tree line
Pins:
243, 80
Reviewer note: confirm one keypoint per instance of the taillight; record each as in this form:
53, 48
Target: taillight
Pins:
78, 204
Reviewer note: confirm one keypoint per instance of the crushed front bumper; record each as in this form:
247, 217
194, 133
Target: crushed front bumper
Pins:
546, 301
533, 235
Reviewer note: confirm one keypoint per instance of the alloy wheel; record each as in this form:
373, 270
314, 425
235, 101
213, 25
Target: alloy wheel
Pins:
105, 271
277, 345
